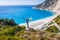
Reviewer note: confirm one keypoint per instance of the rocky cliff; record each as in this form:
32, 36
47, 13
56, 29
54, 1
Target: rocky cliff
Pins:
48, 5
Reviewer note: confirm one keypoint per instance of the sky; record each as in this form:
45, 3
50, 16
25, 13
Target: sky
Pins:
20, 2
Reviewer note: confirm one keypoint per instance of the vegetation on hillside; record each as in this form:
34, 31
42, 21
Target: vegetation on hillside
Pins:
9, 30
38, 35
52, 29
6, 21
10, 38
57, 20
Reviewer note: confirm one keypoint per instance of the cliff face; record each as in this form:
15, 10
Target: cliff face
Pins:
48, 4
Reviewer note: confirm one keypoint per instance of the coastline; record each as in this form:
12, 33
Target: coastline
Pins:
39, 23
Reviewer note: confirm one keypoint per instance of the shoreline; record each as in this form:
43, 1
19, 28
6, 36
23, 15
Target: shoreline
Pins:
41, 22
37, 24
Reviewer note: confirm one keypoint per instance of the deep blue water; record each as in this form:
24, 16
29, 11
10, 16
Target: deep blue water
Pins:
18, 12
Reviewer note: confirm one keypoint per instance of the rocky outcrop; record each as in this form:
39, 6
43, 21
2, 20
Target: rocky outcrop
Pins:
48, 5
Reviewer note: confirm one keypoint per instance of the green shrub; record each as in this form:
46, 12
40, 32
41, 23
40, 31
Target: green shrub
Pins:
11, 30
10, 38
6, 21
52, 29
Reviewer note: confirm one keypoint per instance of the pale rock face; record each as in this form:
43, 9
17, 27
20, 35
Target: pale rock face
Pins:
48, 5
57, 7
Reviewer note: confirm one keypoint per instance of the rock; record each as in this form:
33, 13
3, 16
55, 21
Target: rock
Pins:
47, 5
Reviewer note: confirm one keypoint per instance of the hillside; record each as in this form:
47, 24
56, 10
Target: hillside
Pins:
19, 33
48, 5
15, 32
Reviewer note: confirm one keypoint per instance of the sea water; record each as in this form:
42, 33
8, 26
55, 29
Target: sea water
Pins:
21, 12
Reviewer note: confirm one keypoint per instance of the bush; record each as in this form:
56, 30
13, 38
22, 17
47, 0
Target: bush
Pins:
57, 20
6, 21
11, 30
10, 38
52, 29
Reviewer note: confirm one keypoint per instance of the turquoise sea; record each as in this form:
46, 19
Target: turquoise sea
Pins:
18, 12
